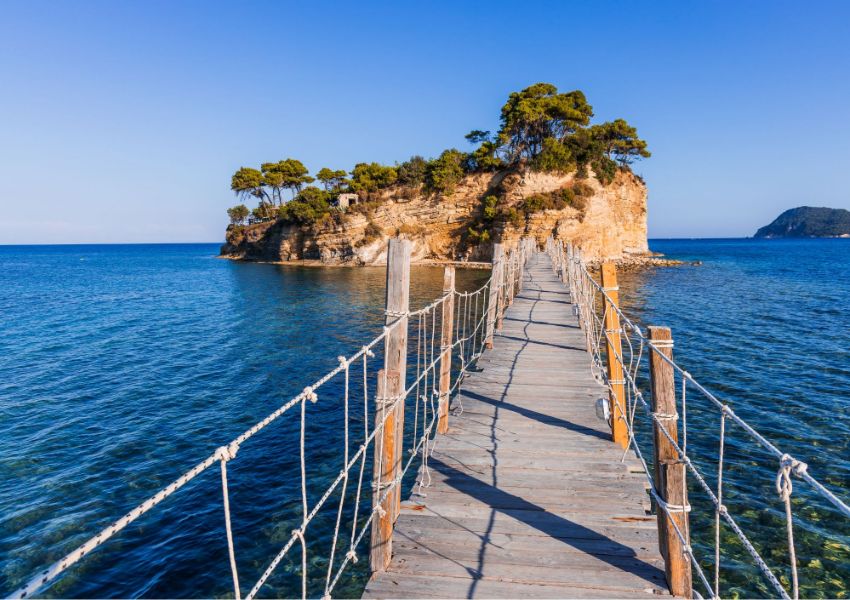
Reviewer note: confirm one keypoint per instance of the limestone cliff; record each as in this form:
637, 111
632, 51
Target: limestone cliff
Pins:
611, 223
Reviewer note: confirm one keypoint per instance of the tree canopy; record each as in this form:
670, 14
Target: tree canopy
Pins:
370, 177
332, 180
238, 214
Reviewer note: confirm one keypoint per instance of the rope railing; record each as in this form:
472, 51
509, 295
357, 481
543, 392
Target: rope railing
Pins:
631, 348
451, 330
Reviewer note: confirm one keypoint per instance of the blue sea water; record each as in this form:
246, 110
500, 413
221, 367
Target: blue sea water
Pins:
123, 366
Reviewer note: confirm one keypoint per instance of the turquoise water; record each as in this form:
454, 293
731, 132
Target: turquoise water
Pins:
123, 366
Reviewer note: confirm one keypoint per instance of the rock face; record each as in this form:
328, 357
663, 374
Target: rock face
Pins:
612, 225
808, 222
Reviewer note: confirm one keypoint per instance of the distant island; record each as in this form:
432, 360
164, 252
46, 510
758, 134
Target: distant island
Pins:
808, 222
546, 171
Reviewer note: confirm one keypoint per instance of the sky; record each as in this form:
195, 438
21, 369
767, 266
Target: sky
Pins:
123, 121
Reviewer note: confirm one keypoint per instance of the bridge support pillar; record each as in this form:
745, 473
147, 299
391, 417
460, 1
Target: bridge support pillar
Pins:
493, 300
670, 474
614, 353
446, 348
390, 403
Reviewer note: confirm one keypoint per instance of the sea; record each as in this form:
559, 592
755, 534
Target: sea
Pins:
123, 366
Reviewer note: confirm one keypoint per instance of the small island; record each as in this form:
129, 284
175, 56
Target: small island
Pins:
546, 171
808, 222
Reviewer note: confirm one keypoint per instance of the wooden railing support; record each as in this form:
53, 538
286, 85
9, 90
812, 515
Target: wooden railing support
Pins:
503, 285
614, 347
446, 349
670, 474
493, 300
380, 552
395, 344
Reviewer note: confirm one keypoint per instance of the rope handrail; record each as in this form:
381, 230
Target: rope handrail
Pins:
467, 344
586, 292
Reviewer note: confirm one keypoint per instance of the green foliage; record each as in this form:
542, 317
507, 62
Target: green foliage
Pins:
332, 180
476, 136
477, 236
285, 174
264, 211
310, 206
605, 169
554, 156
412, 172
238, 214
539, 112
443, 174
489, 208
370, 177
619, 141
248, 182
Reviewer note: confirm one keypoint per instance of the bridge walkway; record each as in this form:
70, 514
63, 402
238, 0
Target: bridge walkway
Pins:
528, 496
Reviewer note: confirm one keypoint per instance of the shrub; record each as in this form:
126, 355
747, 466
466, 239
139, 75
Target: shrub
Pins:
307, 208
475, 236
371, 233
443, 174
605, 169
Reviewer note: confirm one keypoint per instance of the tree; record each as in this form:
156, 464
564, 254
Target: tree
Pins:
332, 180
539, 112
288, 174
444, 173
370, 177
619, 141
249, 182
412, 171
238, 214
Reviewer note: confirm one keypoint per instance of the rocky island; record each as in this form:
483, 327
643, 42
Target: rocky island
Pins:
546, 171
808, 222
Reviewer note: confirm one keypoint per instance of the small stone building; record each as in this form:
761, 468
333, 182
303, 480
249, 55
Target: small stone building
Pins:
346, 200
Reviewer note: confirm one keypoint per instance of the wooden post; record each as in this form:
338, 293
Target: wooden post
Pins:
503, 286
614, 346
446, 348
395, 344
493, 301
380, 552
669, 469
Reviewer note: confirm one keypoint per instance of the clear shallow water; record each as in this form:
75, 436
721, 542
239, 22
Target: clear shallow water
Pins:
763, 324
122, 366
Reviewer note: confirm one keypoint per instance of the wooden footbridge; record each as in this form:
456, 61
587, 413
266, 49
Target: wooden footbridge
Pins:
511, 411
529, 496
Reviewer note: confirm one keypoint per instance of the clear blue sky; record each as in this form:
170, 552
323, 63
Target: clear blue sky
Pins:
123, 121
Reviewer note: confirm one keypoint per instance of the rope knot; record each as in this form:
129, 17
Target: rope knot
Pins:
343, 362
352, 556
228, 452
787, 465
299, 534
380, 510
310, 394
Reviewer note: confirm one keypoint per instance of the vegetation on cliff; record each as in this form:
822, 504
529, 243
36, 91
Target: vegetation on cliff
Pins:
541, 130
808, 221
